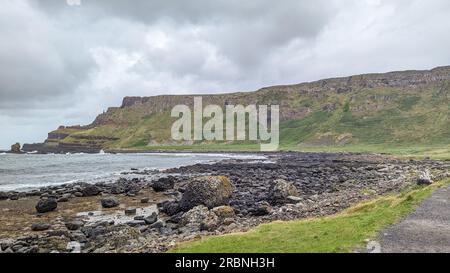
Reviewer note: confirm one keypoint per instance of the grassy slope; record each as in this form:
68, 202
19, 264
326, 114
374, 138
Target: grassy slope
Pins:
343, 232
406, 122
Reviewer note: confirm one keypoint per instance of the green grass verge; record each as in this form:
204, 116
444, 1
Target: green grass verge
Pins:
343, 232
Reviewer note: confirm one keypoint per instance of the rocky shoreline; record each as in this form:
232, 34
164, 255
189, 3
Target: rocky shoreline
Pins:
187, 203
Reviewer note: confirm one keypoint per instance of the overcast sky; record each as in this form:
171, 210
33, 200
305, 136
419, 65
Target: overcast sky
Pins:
62, 64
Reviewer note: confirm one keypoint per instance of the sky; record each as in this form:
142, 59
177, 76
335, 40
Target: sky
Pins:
63, 64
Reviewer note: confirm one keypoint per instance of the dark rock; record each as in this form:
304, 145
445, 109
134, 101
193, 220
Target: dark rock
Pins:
425, 178
261, 209
211, 191
110, 202
14, 197
145, 200
78, 194
169, 207
200, 218
40, 226
117, 190
63, 200
130, 211
16, 148
136, 223
224, 212
293, 199
46, 205
91, 190
74, 225
158, 224
280, 190
175, 219
164, 184
4, 196
149, 220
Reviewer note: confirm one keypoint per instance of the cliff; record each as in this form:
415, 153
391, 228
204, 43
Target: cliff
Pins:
398, 108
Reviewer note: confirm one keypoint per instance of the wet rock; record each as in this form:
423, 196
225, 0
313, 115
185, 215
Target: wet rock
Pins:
110, 202
46, 205
164, 184
91, 190
149, 220
210, 191
40, 226
280, 190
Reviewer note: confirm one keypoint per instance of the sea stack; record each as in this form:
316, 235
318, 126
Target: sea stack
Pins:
16, 148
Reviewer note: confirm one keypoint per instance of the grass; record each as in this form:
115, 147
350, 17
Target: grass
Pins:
340, 233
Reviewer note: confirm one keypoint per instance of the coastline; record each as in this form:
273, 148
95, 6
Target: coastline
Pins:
326, 184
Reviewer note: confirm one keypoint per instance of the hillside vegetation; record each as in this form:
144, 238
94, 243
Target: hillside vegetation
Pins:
400, 112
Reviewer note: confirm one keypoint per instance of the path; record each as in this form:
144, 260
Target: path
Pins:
425, 230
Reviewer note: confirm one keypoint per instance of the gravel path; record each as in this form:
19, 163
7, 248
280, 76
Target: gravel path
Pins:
426, 230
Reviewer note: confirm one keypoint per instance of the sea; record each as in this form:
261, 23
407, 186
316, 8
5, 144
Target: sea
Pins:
23, 172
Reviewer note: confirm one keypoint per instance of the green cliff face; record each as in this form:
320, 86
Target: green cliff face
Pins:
398, 109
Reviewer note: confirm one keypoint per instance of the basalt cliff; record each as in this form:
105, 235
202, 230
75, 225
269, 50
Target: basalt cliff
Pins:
396, 108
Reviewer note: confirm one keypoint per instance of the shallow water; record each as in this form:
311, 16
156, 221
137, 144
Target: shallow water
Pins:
25, 172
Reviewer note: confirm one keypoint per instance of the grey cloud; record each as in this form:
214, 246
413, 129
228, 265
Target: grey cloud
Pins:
37, 64
63, 65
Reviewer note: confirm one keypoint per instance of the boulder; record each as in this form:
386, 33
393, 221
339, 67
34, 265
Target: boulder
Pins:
136, 223
158, 224
210, 191
4, 195
280, 190
15, 148
164, 184
63, 199
261, 208
224, 212
130, 211
40, 226
46, 205
170, 207
110, 202
91, 190
425, 178
74, 225
151, 219
200, 218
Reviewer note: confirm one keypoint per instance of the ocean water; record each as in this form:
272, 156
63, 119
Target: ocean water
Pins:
25, 172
